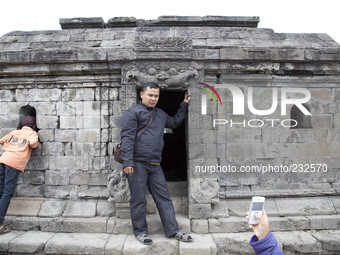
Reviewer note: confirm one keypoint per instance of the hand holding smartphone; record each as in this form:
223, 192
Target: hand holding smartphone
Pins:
256, 206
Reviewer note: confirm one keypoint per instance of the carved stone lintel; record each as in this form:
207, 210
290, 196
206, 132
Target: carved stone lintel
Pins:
204, 191
158, 44
167, 74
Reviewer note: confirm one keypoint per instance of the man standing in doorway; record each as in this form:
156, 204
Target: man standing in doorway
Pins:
141, 154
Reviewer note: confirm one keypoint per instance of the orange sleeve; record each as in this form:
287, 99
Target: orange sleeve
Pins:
33, 140
2, 140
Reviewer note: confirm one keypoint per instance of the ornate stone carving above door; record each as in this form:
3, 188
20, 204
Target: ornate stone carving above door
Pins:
167, 74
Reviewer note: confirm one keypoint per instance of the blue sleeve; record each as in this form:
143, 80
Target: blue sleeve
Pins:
176, 121
128, 136
266, 246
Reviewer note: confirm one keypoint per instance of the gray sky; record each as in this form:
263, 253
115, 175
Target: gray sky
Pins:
288, 16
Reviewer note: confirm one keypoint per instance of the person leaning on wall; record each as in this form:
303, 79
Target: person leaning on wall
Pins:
16, 152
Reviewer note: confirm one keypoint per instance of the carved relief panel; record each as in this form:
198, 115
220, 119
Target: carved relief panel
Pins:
167, 74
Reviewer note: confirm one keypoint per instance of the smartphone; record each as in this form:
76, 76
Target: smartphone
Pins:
187, 92
256, 206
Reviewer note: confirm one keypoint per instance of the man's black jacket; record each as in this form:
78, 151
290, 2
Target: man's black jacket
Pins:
149, 145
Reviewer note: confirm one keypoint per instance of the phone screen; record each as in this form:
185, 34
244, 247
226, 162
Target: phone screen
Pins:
257, 206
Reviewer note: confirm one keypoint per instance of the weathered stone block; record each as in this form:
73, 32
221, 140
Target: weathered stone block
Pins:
239, 207
93, 192
115, 137
159, 246
336, 200
337, 120
115, 244
122, 226
29, 242
289, 223
202, 245
304, 206
4, 107
65, 135
25, 206
232, 224
238, 192
68, 108
80, 209
32, 177
219, 210
233, 243
92, 122
320, 121
200, 226
57, 177
231, 53
105, 208
90, 178
45, 108
68, 122
9, 121
52, 208
7, 95
62, 163
89, 135
61, 192
46, 122
91, 108
6, 240
126, 54
322, 222
38, 94
8, 220
298, 242
52, 149
199, 211
77, 244
25, 223
79, 94
85, 225
23, 190
115, 121
46, 135
51, 224
38, 163
329, 240
196, 151
110, 225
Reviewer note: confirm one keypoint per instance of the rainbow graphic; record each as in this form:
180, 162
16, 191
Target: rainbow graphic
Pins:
209, 93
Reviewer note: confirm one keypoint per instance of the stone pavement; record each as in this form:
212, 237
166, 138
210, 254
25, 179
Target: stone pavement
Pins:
45, 226
39, 242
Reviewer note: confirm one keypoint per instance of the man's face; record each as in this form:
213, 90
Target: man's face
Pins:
150, 97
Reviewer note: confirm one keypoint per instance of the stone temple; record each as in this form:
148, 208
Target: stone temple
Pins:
73, 198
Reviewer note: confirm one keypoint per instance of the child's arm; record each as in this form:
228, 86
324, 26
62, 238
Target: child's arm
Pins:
2, 140
33, 140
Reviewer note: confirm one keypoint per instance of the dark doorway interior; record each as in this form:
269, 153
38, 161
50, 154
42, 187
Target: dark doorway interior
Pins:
174, 156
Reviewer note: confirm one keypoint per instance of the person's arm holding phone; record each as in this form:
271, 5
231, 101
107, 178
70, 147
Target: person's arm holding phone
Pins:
264, 242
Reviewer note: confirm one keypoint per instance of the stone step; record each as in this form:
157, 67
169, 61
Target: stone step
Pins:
45, 207
235, 224
38, 242
89, 225
232, 224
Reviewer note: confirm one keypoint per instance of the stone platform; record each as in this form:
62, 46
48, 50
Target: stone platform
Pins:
39, 242
298, 230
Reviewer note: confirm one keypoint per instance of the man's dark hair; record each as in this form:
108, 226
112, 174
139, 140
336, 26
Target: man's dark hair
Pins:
151, 85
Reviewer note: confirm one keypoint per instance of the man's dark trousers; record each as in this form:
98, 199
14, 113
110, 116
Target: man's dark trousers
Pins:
151, 176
